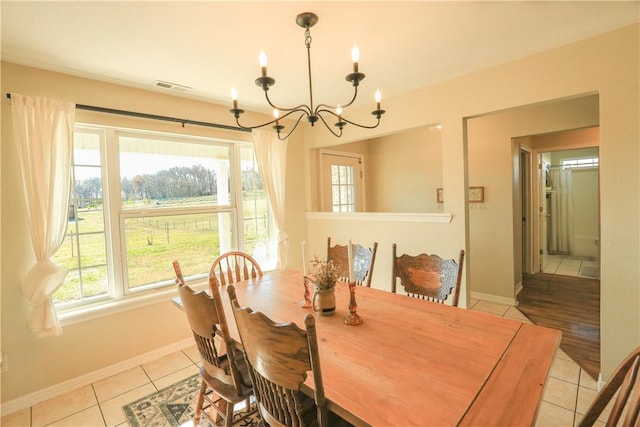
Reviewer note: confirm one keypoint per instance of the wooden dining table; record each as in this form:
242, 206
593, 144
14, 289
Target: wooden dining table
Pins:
413, 362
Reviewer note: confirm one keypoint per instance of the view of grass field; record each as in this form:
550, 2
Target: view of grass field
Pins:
152, 244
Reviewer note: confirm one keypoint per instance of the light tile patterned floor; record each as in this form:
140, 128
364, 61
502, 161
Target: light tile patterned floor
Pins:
568, 393
570, 266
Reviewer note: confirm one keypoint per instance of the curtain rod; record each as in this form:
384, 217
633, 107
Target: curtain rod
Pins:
155, 117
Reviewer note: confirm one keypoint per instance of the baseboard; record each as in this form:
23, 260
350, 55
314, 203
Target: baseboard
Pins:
493, 298
31, 399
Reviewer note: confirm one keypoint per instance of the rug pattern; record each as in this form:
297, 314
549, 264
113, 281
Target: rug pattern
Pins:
174, 406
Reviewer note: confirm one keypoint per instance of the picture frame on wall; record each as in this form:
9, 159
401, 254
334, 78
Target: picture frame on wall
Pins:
476, 195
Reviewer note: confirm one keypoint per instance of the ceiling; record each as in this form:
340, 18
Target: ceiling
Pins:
211, 46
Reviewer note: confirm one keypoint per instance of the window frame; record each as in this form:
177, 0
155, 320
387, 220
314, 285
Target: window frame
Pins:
119, 297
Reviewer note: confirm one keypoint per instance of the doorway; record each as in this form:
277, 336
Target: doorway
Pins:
342, 181
562, 229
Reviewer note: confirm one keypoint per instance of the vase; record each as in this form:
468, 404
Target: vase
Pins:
324, 301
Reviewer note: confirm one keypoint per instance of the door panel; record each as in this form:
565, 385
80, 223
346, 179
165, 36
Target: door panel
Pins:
342, 182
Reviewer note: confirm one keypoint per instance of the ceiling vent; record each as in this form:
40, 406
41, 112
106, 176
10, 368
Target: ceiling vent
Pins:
171, 86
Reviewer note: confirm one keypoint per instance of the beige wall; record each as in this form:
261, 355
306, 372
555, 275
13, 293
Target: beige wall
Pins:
607, 65
402, 170
405, 170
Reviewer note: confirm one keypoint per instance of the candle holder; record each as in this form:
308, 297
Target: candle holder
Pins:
306, 302
353, 318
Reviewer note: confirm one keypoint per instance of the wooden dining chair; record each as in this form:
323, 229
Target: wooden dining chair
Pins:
363, 261
279, 356
428, 276
224, 373
625, 382
235, 266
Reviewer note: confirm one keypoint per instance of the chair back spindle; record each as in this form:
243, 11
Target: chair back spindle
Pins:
362, 260
235, 266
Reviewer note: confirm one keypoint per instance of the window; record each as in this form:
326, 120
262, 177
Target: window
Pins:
141, 200
587, 162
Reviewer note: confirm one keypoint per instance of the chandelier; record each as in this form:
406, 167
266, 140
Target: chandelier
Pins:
321, 112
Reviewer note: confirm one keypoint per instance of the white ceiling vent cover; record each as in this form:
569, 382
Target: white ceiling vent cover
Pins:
171, 86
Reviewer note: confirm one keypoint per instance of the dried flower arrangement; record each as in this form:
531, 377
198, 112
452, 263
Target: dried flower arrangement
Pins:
324, 274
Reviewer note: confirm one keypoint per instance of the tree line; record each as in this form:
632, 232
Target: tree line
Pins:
172, 183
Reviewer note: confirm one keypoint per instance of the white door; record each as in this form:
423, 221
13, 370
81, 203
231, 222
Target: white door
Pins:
342, 182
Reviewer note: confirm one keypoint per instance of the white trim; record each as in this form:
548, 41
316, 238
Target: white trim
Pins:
443, 218
90, 378
493, 298
518, 289
114, 306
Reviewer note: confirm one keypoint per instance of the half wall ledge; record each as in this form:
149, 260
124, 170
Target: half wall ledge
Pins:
443, 218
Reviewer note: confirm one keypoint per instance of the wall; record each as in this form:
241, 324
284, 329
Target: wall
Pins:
584, 190
90, 348
406, 169
402, 170
606, 65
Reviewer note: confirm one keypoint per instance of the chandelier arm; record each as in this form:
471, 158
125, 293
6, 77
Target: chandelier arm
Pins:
327, 125
362, 126
253, 127
275, 121
301, 107
333, 107
304, 113
342, 119
266, 123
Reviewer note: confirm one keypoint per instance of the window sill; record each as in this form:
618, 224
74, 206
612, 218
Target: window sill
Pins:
110, 307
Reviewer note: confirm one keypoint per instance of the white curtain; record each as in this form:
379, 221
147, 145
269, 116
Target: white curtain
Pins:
561, 212
272, 163
43, 132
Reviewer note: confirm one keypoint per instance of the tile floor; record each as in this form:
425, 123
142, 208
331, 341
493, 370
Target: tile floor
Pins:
568, 393
570, 266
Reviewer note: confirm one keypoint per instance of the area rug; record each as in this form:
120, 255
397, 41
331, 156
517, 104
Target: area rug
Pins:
174, 406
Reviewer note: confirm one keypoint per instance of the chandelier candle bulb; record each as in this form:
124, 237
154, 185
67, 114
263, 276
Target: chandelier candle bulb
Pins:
355, 57
276, 115
378, 98
234, 97
262, 58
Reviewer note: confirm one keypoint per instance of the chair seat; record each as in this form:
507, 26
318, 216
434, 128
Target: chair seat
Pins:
227, 391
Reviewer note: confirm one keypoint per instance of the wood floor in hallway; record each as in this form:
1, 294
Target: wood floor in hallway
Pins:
571, 304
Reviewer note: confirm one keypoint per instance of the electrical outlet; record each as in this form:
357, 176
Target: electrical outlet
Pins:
4, 366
